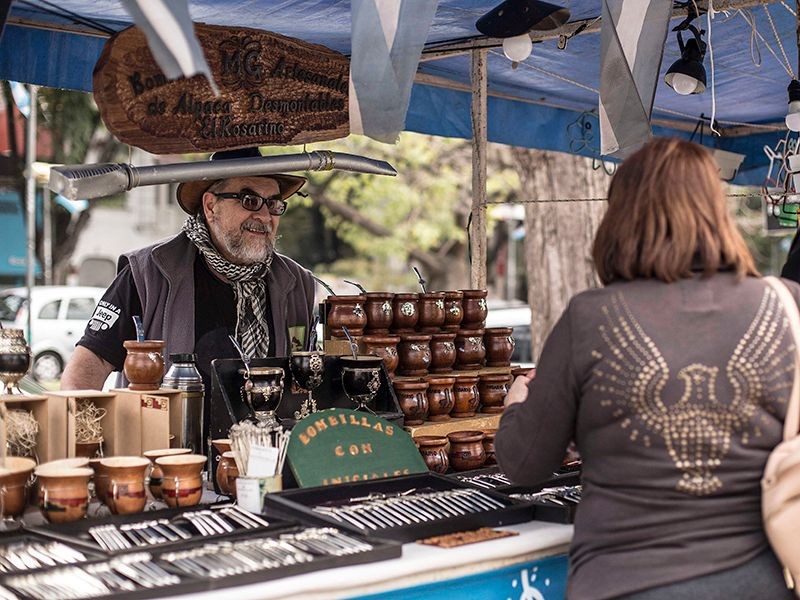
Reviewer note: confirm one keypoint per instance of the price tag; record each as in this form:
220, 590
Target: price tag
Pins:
262, 461
248, 494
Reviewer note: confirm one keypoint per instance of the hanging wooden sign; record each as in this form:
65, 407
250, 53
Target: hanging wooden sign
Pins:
274, 90
339, 445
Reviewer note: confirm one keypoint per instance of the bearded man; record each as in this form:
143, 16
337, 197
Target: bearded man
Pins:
220, 276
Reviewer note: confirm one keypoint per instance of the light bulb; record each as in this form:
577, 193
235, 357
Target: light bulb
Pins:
683, 84
793, 116
517, 48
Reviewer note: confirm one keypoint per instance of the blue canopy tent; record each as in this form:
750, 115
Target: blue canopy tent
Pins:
533, 105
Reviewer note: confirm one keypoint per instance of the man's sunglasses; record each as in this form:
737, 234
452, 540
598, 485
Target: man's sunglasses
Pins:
252, 201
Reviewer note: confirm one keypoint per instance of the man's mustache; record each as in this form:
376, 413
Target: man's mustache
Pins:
258, 226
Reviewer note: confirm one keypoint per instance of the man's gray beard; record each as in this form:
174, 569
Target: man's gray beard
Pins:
234, 245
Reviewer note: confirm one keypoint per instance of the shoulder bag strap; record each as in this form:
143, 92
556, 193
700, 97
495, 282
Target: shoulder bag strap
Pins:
791, 421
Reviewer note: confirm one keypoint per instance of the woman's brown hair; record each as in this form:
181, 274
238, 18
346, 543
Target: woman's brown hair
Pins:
667, 215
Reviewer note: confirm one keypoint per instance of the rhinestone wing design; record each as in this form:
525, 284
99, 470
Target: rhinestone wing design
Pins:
630, 374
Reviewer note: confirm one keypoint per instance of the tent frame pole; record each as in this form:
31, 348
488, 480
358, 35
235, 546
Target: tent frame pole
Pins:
477, 231
30, 204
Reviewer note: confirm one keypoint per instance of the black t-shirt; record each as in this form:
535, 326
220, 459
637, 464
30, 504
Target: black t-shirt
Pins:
214, 320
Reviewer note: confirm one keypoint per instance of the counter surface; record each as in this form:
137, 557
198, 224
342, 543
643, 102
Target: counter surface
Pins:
419, 565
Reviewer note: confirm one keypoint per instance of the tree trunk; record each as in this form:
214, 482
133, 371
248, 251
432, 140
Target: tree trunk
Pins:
558, 235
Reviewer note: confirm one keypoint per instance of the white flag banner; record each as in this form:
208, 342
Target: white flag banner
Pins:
631, 49
170, 36
387, 41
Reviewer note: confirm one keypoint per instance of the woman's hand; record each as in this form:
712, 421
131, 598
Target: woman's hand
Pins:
519, 389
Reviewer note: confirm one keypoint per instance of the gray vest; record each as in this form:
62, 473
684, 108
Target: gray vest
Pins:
164, 277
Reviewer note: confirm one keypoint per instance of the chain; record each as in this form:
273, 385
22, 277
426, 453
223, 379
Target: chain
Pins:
558, 200
780, 44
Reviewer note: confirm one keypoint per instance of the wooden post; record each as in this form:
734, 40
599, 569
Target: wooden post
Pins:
478, 228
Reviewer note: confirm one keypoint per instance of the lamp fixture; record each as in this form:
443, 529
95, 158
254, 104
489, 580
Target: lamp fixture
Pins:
793, 113
687, 75
511, 20
514, 17
517, 48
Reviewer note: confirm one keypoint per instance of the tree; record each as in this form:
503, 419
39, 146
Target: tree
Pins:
558, 235
77, 135
390, 223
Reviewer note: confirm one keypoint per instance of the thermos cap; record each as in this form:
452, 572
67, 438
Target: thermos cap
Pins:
183, 357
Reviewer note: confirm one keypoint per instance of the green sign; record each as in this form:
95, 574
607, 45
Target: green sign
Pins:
339, 445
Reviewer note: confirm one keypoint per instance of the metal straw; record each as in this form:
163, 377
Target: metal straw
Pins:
325, 285
137, 323
312, 335
358, 285
353, 345
421, 280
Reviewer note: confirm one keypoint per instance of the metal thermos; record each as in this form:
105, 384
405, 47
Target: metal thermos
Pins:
188, 422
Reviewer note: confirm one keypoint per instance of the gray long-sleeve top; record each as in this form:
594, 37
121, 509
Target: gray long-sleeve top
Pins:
675, 394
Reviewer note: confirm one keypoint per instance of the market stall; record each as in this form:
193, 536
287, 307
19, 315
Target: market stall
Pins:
392, 414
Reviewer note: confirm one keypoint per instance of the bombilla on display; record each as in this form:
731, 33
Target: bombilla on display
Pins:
85, 182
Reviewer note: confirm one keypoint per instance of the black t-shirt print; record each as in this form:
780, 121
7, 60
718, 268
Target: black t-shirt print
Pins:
214, 320
112, 322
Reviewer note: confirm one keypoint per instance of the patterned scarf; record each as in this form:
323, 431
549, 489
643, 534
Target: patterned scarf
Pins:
248, 285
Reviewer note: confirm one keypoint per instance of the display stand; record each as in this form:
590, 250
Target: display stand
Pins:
50, 413
477, 423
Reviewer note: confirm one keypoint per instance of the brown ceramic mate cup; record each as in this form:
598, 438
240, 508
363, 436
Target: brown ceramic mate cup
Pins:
453, 313
405, 311
347, 311
100, 479
414, 351
440, 397
144, 364
431, 312
499, 345
156, 475
433, 449
467, 398
488, 446
182, 483
469, 349
125, 493
475, 309
63, 493
384, 346
443, 352
88, 449
493, 388
378, 306
15, 480
227, 472
412, 399
466, 450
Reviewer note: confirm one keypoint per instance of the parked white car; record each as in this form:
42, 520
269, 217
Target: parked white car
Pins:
60, 314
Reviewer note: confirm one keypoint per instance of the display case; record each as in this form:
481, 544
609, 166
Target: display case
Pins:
161, 529
196, 565
414, 507
553, 509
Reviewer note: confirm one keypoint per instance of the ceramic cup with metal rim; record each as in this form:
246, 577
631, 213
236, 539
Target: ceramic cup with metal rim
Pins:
227, 472
125, 493
63, 493
155, 472
182, 482
15, 480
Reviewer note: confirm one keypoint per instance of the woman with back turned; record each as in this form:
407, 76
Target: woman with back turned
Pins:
673, 380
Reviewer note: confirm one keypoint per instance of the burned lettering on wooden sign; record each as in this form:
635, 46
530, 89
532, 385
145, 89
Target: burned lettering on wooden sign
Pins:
274, 90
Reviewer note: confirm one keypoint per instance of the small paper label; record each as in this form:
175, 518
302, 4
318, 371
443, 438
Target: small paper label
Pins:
262, 461
248, 494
